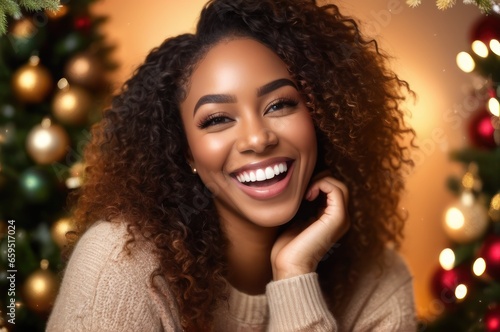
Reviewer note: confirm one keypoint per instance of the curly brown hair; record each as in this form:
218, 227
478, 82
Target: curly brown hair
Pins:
136, 162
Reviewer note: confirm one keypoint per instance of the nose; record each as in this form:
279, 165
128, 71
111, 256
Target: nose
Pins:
256, 136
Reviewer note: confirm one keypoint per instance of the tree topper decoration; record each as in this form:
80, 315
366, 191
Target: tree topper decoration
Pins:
13, 8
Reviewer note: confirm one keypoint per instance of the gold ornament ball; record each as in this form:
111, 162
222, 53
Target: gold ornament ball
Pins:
47, 143
32, 83
40, 290
84, 69
23, 28
494, 211
57, 14
465, 221
59, 230
71, 105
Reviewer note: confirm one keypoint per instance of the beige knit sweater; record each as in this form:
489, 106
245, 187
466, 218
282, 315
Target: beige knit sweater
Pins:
104, 289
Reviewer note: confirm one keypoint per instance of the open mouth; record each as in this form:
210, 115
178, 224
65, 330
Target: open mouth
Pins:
264, 177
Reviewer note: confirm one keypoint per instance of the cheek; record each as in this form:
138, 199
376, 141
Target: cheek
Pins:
210, 153
301, 132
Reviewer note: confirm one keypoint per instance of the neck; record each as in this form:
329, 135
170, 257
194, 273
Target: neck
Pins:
249, 255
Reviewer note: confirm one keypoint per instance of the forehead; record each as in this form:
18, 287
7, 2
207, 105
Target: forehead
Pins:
237, 62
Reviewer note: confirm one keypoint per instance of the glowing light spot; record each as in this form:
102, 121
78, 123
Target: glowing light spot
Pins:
461, 291
42, 139
495, 46
62, 83
494, 106
492, 324
32, 182
468, 180
485, 127
467, 197
27, 80
479, 267
39, 285
454, 218
495, 252
447, 259
480, 48
465, 62
68, 101
81, 66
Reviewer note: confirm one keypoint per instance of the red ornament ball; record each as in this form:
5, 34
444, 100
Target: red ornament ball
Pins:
486, 28
492, 320
481, 130
490, 252
444, 283
82, 23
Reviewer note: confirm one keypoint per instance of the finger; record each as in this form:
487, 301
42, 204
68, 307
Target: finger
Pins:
327, 185
334, 219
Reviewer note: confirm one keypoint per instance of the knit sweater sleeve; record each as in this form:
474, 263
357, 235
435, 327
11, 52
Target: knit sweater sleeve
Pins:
297, 304
107, 289
379, 302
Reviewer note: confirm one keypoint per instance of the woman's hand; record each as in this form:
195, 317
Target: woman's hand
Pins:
301, 247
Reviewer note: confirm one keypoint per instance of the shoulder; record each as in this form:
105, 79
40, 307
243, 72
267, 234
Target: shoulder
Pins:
103, 238
394, 268
101, 249
103, 246
106, 287
388, 277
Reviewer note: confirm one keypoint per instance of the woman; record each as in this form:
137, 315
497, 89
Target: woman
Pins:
247, 178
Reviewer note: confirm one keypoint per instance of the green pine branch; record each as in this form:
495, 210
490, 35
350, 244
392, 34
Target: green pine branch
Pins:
488, 162
13, 8
483, 5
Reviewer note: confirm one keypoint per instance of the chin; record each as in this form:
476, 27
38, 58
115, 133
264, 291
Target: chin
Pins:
272, 217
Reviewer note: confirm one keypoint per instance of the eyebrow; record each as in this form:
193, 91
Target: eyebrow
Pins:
227, 99
214, 99
274, 85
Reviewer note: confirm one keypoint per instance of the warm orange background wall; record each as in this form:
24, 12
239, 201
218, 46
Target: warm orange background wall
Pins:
423, 41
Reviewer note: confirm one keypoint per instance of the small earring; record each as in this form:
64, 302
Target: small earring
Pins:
195, 171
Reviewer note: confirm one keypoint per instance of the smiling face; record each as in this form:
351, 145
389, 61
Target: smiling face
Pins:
250, 134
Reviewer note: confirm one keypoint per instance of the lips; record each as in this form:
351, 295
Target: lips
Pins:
265, 179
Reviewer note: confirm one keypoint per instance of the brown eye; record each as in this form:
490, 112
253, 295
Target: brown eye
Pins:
282, 104
214, 120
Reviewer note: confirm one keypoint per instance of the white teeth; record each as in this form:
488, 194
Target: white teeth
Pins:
262, 174
269, 173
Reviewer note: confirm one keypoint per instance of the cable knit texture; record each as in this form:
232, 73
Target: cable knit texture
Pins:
106, 289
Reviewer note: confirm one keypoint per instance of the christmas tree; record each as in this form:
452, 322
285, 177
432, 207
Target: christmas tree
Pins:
466, 283
53, 87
